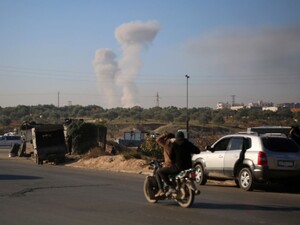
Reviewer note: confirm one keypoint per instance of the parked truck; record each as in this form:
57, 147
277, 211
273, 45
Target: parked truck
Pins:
49, 143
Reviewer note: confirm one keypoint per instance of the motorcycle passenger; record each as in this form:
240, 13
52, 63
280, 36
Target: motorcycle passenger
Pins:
166, 141
181, 157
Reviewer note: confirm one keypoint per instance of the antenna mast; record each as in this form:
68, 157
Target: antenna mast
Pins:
157, 99
58, 99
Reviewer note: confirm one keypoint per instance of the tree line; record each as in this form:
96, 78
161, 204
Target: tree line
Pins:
201, 116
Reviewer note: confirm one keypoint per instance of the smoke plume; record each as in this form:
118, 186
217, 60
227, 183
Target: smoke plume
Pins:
106, 68
133, 38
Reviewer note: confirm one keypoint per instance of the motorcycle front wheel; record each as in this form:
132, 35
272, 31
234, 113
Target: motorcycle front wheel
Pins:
189, 197
149, 191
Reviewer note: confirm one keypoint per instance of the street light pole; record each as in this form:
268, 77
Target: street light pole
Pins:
187, 105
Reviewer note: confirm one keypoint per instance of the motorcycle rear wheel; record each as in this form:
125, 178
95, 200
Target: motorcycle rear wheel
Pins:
149, 191
189, 197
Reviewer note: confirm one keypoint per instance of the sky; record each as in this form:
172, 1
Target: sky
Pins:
122, 53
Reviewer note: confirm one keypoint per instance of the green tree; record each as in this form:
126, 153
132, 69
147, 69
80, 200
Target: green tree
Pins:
84, 136
5, 121
166, 117
204, 119
297, 118
284, 114
111, 115
218, 119
150, 148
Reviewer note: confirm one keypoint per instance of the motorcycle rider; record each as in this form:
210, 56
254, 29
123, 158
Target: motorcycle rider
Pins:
166, 141
181, 158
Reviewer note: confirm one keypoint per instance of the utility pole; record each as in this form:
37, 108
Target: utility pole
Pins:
233, 100
58, 99
157, 99
187, 105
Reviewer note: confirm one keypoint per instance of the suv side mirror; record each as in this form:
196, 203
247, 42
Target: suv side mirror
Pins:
208, 147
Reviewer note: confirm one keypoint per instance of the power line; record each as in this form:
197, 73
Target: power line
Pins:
83, 76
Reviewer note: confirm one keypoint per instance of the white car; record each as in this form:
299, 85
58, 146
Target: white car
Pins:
10, 140
249, 158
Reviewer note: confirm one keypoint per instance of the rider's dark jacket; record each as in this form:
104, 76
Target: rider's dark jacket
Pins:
181, 154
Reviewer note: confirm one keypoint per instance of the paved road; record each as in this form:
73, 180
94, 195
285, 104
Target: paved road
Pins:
48, 194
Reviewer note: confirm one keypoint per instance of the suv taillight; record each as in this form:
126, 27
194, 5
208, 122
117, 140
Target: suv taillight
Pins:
262, 159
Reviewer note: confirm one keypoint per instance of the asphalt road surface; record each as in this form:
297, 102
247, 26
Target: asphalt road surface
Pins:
48, 194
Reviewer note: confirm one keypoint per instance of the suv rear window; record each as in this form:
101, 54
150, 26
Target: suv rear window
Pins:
280, 144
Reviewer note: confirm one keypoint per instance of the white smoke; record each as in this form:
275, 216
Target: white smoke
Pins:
106, 68
133, 38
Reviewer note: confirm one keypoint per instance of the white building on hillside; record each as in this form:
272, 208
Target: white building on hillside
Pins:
272, 108
222, 105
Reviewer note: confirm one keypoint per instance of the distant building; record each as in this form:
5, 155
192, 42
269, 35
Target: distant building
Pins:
289, 105
295, 107
265, 104
260, 104
252, 105
222, 105
132, 138
272, 108
237, 107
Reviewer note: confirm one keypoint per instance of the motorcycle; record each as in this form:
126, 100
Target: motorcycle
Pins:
184, 183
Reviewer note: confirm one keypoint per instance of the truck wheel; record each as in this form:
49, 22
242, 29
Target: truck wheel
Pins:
38, 160
246, 179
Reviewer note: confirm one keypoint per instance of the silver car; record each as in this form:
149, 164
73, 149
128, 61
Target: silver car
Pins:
248, 159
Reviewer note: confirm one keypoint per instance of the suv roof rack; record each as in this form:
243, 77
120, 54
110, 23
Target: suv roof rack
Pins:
269, 129
248, 132
273, 135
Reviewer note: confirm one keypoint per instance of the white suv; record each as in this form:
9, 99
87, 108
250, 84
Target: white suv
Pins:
249, 158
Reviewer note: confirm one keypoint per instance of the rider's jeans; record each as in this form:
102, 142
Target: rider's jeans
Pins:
164, 173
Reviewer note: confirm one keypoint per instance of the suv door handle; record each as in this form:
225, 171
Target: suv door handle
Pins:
220, 156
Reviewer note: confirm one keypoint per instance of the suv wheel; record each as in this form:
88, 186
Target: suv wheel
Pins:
246, 179
200, 177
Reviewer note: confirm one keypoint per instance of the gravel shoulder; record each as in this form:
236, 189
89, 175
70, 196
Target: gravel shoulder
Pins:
119, 164
113, 163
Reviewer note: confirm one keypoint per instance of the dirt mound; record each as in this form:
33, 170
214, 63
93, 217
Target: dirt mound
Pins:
168, 128
113, 163
119, 164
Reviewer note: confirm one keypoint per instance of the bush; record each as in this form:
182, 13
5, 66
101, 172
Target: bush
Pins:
84, 136
94, 153
132, 155
151, 148
5, 121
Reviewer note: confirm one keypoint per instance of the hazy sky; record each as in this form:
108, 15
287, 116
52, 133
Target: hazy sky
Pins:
123, 52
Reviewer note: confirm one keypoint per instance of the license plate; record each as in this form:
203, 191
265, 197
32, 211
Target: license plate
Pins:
282, 163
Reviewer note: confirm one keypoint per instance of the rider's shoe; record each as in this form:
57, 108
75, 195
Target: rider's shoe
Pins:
159, 193
170, 191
